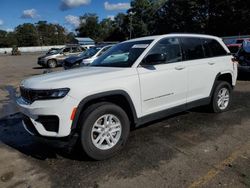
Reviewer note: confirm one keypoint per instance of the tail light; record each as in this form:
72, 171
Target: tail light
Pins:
235, 62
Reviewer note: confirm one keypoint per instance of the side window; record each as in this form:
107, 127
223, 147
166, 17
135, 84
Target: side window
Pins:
192, 48
76, 49
213, 48
66, 50
170, 47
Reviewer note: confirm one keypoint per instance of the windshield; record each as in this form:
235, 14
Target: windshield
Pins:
54, 51
89, 52
122, 55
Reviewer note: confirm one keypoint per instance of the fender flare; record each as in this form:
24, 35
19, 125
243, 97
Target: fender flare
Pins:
84, 101
216, 79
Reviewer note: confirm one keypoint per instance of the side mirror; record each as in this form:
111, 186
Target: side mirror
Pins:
154, 59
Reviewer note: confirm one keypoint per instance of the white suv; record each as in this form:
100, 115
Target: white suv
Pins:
134, 82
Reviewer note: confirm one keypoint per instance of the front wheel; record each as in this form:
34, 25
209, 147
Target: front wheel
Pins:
105, 129
52, 63
222, 97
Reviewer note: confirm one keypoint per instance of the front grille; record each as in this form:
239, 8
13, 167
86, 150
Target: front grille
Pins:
67, 64
27, 94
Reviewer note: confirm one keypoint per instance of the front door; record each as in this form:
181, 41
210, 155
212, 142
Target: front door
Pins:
163, 85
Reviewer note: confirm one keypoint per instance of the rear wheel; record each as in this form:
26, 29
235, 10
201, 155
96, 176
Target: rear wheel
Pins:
105, 129
52, 63
221, 100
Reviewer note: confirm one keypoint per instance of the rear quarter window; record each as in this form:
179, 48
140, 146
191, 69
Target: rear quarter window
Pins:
213, 48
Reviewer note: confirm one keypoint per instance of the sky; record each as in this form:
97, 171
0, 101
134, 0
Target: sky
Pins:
63, 12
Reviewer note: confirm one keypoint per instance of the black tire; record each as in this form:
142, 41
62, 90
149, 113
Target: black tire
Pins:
52, 63
214, 105
89, 118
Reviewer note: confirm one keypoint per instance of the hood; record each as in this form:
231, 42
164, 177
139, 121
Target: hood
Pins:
82, 76
43, 56
48, 55
73, 59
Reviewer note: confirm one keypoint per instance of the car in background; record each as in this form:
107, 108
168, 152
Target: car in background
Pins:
55, 56
243, 57
85, 58
52, 50
234, 44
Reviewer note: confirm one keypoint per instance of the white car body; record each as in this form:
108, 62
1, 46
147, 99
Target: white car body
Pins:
150, 91
94, 57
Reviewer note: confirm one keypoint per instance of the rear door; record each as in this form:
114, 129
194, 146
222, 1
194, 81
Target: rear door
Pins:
202, 67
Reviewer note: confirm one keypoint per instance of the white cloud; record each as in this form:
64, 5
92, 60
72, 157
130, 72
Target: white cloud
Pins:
112, 17
1, 22
72, 20
68, 4
116, 6
9, 30
29, 14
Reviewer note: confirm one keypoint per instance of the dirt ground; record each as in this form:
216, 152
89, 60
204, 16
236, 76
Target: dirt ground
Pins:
190, 149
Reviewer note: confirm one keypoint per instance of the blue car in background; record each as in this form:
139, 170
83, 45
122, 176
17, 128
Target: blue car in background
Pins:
85, 58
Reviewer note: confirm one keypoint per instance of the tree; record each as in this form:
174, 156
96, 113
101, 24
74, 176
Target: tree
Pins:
50, 34
26, 35
11, 39
89, 27
70, 37
221, 18
107, 27
3, 37
119, 30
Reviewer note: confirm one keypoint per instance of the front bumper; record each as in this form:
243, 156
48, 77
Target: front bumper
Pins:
41, 62
49, 118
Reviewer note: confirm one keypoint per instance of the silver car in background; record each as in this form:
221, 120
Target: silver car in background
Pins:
55, 56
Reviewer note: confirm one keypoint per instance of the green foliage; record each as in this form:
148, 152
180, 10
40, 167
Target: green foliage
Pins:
89, 26
3, 37
50, 34
39, 34
26, 35
221, 18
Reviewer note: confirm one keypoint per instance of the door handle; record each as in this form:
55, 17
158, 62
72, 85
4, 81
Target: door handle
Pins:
211, 63
179, 67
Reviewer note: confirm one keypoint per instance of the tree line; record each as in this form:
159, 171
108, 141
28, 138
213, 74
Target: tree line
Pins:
145, 17
38, 34
153, 17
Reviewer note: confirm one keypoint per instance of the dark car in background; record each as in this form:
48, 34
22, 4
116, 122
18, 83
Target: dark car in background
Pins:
85, 58
234, 44
55, 56
243, 56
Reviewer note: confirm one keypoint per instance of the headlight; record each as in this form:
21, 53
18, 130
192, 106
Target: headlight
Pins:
55, 93
31, 95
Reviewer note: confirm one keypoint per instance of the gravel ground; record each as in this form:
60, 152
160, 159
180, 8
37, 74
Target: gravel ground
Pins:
190, 149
